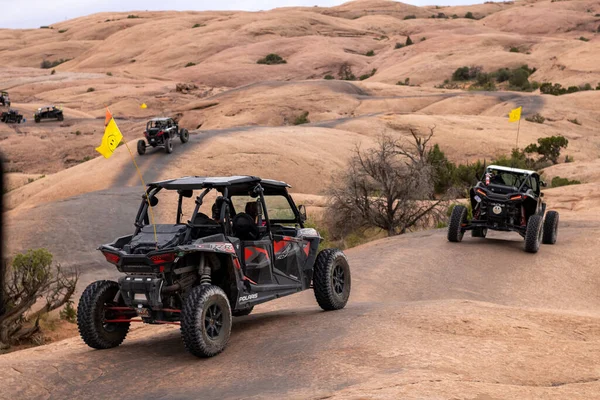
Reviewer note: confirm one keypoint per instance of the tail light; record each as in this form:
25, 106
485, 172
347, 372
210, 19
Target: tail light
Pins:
160, 133
112, 258
162, 258
517, 197
481, 192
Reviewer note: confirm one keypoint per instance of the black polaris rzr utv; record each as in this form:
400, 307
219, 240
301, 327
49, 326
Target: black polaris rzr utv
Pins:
160, 132
4, 99
199, 273
11, 117
507, 199
48, 112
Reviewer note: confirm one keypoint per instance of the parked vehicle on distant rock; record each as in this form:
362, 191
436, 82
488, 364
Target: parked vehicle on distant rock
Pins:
507, 199
4, 99
253, 248
11, 117
48, 112
160, 132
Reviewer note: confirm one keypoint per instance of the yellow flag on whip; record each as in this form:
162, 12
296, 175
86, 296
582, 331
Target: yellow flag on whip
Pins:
111, 139
144, 106
515, 115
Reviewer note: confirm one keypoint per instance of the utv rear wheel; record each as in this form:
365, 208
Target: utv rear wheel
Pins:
241, 313
92, 312
61, 117
168, 145
457, 219
479, 232
141, 147
37, 120
206, 321
184, 135
331, 279
550, 228
533, 235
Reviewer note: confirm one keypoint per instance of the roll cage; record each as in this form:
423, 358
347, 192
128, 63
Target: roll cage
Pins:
523, 180
226, 187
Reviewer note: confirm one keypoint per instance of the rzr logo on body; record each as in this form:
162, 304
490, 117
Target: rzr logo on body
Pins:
285, 252
248, 297
222, 247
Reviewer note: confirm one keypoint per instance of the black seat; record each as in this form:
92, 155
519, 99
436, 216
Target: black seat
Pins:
244, 227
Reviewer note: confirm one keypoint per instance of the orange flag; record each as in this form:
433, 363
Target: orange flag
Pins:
108, 117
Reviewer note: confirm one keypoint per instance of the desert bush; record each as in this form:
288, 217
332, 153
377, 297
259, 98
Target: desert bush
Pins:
131, 16
53, 72
190, 64
587, 86
519, 79
549, 147
47, 64
555, 90
109, 74
62, 30
388, 187
405, 82
569, 159
537, 118
45, 27
367, 76
461, 74
584, 39
91, 89
399, 45
302, 119
574, 121
408, 41
272, 59
33, 287
345, 73
469, 15
69, 313
198, 25
514, 49
423, 39
329, 77
557, 181
410, 17
370, 53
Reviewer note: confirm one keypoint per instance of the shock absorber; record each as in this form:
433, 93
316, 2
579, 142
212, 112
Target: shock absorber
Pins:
204, 271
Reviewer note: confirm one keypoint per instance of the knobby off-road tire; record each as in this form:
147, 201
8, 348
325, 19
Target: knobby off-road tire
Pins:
141, 147
61, 117
37, 120
241, 313
184, 135
168, 145
331, 279
91, 314
550, 228
533, 234
206, 321
457, 218
479, 233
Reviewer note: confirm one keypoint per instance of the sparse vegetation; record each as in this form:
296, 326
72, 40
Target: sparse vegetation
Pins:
514, 49
198, 25
46, 27
367, 76
398, 45
537, 118
574, 121
62, 30
69, 313
47, 64
557, 181
132, 61
584, 39
408, 41
370, 53
328, 77
109, 74
190, 64
345, 73
548, 148
53, 72
131, 16
33, 287
91, 89
411, 16
469, 15
302, 119
272, 59
406, 82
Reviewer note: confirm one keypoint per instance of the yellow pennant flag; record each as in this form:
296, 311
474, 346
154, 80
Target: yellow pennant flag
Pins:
515, 115
143, 106
111, 139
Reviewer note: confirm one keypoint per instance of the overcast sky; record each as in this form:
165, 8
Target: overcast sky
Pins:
35, 13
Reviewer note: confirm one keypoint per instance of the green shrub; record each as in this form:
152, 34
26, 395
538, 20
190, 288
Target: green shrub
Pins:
469, 15
272, 59
408, 41
519, 79
514, 50
91, 89
587, 86
537, 118
69, 313
574, 121
406, 82
461, 74
198, 25
45, 27
190, 64
345, 73
370, 53
62, 30
329, 77
423, 39
584, 39
53, 72
557, 181
569, 159
131, 16
47, 64
410, 17
367, 76
548, 147
109, 74
398, 45
302, 119
132, 61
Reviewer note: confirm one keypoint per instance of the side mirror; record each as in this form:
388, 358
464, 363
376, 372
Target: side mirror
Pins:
185, 193
153, 200
543, 183
302, 212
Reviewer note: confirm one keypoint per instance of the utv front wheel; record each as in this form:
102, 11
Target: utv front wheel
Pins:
168, 145
550, 228
331, 279
141, 147
92, 312
184, 135
457, 219
206, 321
533, 234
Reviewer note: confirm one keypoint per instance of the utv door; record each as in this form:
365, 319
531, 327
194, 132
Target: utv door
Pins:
290, 256
258, 260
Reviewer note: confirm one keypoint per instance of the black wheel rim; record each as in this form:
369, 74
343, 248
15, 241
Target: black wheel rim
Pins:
213, 321
338, 280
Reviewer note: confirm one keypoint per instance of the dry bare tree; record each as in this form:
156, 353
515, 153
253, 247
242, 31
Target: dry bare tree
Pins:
389, 186
32, 289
